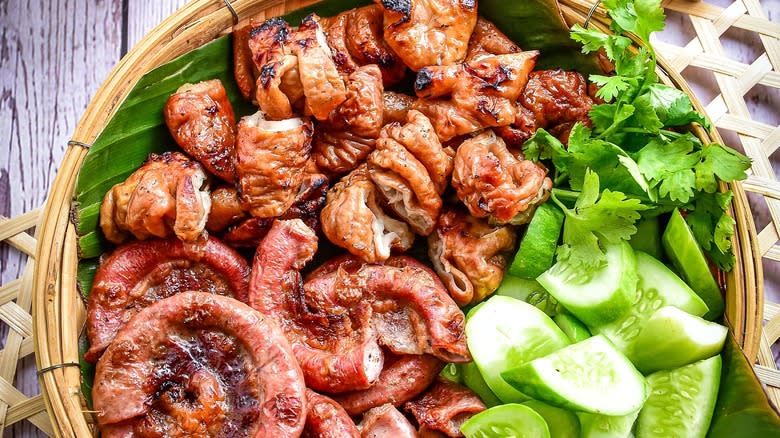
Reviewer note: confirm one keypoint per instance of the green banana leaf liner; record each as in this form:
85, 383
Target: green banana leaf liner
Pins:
138, 129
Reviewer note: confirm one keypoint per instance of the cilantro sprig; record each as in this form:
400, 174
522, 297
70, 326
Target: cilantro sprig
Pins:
633, 151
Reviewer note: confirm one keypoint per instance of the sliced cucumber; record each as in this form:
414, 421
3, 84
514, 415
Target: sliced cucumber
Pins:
596, 297
472, 378
689, 260
504, 333
672, 338
647, 237
658, 286
681, 401
510, 420
590, 376
603, 426
562, 423
572, 327
529, 291
537, 248
452, 372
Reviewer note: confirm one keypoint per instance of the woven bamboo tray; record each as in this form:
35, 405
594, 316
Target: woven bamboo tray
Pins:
57, 309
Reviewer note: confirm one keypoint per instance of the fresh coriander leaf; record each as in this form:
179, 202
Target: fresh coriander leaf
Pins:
641, 17
633, 169
610, 86
645, 116
670, 167
608, 217
544, 146
673, 107
593, 39
602, 116
712, 227
721, 162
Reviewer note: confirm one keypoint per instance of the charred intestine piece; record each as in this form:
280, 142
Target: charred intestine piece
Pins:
140, 273
553, 99
199, 365
327, 419
355, 38
444, 407
492, 183
396, 106
470, 255
429, 32
386, 421
349, 135
403, 378
296, 68
411, 170
480, 93
167, 195
354, 220
226, 209
271, 158
201, 121
487, 39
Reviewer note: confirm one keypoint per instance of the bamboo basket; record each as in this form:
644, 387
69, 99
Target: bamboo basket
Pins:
58, 310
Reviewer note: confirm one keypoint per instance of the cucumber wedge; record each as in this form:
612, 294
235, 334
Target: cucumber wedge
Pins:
572, 327
590, 376
681, 401
658, 286
598, 297
504, 333
647, 237
529, 291
452, 372
537, 248
472, 378
685, 339
689, 260
510, 420
562, 423
603, 426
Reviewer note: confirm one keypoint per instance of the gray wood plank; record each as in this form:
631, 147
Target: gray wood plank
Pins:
143, 16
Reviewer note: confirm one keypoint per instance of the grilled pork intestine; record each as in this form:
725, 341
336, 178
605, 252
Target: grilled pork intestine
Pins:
464, 98
396, 106
470, 255
552, 99
271, 158
411, 170
168, 195
354, 220
491, 182
348, 136
444, 407
487, 39
429, 32
355, 38
201, 121
296, 69
386, 421
327, 419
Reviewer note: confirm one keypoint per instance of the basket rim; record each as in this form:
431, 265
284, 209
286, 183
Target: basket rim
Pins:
194, 24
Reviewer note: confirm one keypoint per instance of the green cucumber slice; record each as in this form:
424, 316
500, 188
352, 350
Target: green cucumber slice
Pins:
561, 422
672, 338
647, 237
472, 378
681, 401
596, 297
510, 420
590, 376
603, 426
504, 333
572, 327
537, 248
529, 291
658, 286
452, 372
689, 260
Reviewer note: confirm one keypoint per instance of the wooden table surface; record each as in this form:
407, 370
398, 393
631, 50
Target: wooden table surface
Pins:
55, 53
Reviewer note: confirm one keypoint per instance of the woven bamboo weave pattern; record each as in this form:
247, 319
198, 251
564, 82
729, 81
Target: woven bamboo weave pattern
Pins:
15, 303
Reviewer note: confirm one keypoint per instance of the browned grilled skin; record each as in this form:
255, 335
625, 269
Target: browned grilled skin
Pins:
335, 28
271, 158
200, 365
141, 273
366, 44
327, 419
552, 99
244, 70
491, 182
469, 254
444, 407
225, 209
403, 378
386, 421
354, 220
168, 195
487, 39
396, 106
429, 32
464, 98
